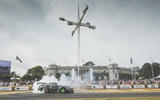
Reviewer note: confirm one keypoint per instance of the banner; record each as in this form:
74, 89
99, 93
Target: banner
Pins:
125, 86
111, 87
97, 86
5, 88
5, 67
138, 86
153, 86
22, 88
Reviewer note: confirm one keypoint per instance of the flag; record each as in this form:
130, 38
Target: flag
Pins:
17, 58
109, 59
131, 61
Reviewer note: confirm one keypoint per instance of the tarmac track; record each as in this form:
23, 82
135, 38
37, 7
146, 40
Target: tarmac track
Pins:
30, 96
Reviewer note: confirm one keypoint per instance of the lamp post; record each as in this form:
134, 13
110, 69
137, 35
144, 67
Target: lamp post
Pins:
77, 28
152, 68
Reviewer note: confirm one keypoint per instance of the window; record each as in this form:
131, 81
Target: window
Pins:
116, 75
113, 70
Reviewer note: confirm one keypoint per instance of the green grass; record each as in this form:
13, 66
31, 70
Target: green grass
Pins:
128, 98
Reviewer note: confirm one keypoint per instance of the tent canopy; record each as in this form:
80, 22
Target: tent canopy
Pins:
158, 77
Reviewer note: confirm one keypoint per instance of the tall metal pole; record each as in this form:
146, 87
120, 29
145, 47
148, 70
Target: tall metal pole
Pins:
78, 41
78, 25
131, 62
152, 68
14, 76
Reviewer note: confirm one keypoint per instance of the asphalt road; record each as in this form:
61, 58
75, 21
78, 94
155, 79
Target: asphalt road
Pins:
31, 96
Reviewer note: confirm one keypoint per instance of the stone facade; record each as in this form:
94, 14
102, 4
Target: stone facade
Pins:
100, 72
113, 72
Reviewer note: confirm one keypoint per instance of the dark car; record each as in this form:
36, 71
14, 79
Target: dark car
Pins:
54, 88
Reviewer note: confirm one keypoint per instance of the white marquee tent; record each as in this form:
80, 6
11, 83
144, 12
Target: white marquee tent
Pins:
158, 77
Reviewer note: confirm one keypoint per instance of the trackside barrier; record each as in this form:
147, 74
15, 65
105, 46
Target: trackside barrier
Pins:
6, 88
153, 86
138, 86
111, 86
97, 87
126, 86
88, 86
21, 88
122, 86
15, 88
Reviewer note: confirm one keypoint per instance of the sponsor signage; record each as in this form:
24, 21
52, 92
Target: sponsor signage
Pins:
111, 87
153, 86
138, 86
97, 87
125, 86
5, 67
5, 88
21, 88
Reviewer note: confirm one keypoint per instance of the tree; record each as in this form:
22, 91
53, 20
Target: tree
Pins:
156, 69
146, 70
27, 77
89, 63
13, 74
34, 73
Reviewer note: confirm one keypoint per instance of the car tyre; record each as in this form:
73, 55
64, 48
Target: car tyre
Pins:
62, 90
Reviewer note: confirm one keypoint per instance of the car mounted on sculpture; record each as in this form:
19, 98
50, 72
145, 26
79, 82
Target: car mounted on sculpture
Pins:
54, 88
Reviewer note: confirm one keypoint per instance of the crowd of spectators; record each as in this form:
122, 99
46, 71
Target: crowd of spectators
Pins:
101, 82
135, 82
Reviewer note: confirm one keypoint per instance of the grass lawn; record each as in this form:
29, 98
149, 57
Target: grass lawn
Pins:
132, 98
116, 90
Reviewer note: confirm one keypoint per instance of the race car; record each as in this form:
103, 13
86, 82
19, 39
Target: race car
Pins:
54, 88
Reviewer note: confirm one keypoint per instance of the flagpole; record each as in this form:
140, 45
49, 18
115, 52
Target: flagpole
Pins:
78, 41
78, 24
152, 68
14, 78
131, 62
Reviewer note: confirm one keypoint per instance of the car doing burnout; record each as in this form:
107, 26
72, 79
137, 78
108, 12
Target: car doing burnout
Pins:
54, 88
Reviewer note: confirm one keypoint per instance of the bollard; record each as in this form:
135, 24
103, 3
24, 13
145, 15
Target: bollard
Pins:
13, 88
132, 86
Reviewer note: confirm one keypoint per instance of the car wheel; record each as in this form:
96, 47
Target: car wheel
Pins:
46, 90
71, 92
62, 90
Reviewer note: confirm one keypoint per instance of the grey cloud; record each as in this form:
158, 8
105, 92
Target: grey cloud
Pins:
125, 28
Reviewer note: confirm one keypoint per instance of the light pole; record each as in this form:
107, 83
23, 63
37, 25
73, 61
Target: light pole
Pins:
152, 68
78, 25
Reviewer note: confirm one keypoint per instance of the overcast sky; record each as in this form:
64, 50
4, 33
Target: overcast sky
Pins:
31, 30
